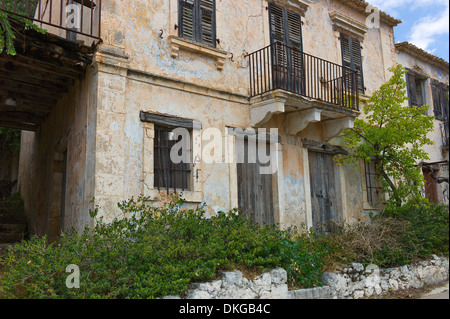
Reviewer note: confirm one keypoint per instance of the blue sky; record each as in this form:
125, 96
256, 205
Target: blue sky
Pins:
425, 23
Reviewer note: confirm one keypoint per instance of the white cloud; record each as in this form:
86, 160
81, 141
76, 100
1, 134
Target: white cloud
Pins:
397, 8
425, 32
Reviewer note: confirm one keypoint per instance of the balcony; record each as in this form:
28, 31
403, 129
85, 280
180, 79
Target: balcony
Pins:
76, 20
46, 65
286, 80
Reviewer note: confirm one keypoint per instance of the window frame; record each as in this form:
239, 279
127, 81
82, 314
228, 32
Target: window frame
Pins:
440, 101
373, 184
198, 23
412, 81
351, 64
166, 177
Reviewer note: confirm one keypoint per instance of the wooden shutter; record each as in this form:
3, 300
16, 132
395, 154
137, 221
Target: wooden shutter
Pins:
294, 30
187, 19
435, 91
198, 21
207, 19
357, 62
346, 52
352, 58
411, 87
444, 100
276, 21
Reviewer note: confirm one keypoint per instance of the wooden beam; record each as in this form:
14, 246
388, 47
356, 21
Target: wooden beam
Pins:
42, 66
26, 43
86, 3
20, 126
166, 120
22, 117
31, 73
25, 102
33, 91
12, 77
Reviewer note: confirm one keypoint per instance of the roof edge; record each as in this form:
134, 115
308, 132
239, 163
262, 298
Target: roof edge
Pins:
422, 55
361, 6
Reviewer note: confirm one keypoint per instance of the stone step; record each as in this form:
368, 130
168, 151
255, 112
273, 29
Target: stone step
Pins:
11, 233
9, 218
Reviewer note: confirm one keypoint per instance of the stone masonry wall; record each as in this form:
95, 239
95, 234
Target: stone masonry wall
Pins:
352, 282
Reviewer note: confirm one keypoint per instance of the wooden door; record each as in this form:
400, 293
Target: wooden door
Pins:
323, 191
255, 192
430, 185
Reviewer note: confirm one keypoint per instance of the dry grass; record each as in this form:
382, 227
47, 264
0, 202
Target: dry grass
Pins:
353, 241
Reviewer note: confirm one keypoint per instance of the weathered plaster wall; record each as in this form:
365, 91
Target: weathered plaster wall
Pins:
121, 139
190, 86
41, 162
435, 151
242, 27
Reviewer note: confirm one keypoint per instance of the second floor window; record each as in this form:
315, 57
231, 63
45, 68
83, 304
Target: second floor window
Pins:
415, 87
352, 58
440, 99
197, 21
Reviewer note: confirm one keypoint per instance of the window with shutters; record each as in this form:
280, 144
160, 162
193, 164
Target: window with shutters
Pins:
352, 58
440, 99
415, 85
197, 21
286, 35
285, 26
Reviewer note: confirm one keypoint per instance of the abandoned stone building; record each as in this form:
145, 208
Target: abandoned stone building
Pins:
97, 101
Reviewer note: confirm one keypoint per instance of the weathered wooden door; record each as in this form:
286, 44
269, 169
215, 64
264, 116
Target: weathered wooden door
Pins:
323, 191
255, 193
430, 185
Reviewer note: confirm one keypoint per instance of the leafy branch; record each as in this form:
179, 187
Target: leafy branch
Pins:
7, 32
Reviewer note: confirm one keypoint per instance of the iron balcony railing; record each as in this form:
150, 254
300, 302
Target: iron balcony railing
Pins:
68, 18
278, 66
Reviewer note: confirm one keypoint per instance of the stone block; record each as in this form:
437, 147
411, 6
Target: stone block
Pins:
279, 276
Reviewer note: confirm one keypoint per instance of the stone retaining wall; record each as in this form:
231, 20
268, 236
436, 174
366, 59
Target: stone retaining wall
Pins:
352, 282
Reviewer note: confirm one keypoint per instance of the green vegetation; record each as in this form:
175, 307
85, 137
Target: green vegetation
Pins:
9, 140
153, 252
393, 137
6, 32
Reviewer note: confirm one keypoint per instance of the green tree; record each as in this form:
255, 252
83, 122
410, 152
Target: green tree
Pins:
393, 137
6, 31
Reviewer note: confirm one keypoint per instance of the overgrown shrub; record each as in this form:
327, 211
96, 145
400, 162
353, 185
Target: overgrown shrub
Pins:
155, 252
429, 227
398, 236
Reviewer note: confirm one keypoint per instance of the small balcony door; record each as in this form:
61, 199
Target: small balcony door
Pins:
287, 48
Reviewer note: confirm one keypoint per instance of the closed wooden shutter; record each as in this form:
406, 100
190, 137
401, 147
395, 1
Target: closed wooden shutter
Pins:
411, 87
197, 21
187, 23
286, 32
277, 27
444, 101
294, 32
207, 18
285, 26
352, 57
436, 94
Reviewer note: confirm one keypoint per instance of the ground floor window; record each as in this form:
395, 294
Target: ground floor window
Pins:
373, 184
169, 174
